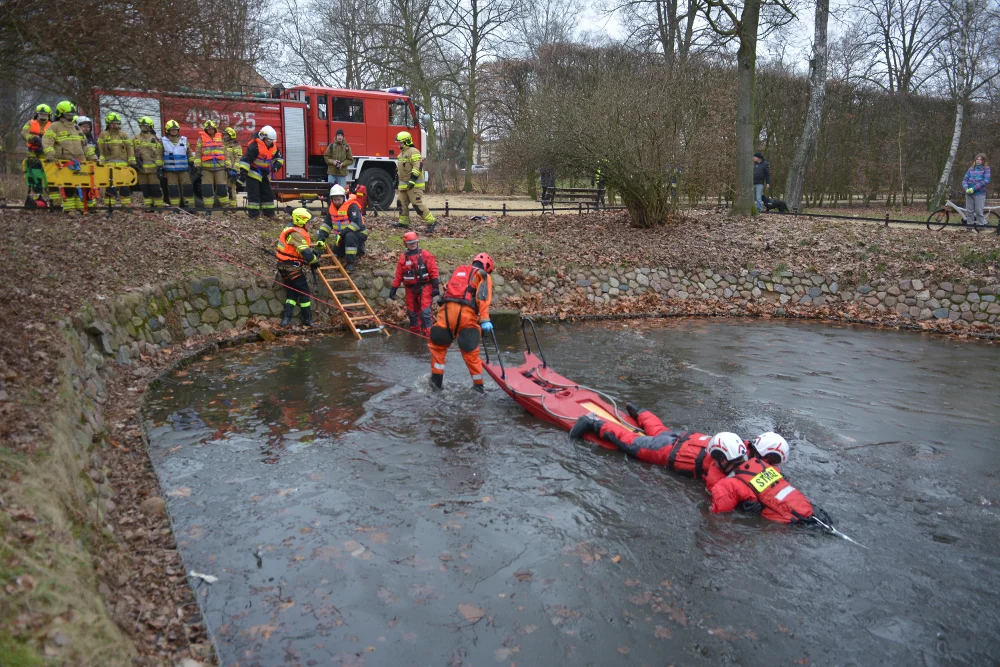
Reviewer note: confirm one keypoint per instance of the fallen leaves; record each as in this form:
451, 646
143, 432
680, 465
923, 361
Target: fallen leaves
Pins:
182, 492
471, 612
262, 631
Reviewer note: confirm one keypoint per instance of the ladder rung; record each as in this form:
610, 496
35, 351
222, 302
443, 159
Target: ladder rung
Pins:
346, 291
354, 305
360, 318
364, 331
337, 280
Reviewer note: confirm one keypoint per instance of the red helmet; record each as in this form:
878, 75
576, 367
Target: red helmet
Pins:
485, 260
410, 237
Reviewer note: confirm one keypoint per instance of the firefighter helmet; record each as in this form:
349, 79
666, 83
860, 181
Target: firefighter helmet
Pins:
210, 123
727, 446
231, 132
43, 108
405, 138
172, 125
772, 444
65, 108
410, 237
80, 120
300, 217
267, 132
146, 120
113, 118
485, 260
338, 191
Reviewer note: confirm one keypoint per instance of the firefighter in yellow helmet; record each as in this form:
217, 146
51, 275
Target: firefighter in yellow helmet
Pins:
234, 151
210, 154
31, 166
148, 151
177, 161
295, 254
116, 151
410, 172
63, 142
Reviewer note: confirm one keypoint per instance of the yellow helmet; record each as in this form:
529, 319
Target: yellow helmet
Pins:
146, 121
172, 125
210, 123
300, 217
43, 108
404, 137
65, 108
231, 132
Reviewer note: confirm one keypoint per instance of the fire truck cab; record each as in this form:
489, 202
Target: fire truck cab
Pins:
306, 119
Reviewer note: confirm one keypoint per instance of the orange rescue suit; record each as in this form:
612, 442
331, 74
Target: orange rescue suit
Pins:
466, 304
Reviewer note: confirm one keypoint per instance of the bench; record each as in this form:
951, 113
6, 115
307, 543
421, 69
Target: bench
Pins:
591, 198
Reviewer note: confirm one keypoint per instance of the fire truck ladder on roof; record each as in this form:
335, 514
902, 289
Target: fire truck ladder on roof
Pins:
356, 309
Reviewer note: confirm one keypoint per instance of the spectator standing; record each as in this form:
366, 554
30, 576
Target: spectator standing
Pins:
761, 179
338, 159
974, 183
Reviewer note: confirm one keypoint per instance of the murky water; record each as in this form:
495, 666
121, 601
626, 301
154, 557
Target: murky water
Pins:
354, 517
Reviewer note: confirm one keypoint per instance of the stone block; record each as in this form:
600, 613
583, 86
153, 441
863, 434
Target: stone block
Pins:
973, 297
940, 313
613, 282
893, 291
993, 309
193, 318
864, 289
643, 280
917, 284
259, 307
815, 292
275, 306
872, 301
923, 294
959, 289
210, 316
214, 296
206, 330
123, 357
968, 316
806, 300
890, 301
682, 294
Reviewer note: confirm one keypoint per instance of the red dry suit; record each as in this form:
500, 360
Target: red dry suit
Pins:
417, 271
684, 453
756, 481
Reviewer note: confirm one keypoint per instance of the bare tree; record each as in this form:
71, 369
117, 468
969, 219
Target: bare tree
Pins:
968, 60
806, 147
669, 26
477, 31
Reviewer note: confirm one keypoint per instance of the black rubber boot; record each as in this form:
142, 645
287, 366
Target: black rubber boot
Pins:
584, 425
632, 410
350, 266
307, 317
478, 388
436, 381
286, 315
430, 228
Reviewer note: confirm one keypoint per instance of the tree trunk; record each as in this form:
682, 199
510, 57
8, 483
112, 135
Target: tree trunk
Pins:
470, 118
956, 137
746, 60
814, 116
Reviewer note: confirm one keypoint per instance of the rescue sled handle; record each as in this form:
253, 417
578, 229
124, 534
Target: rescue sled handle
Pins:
526, 321
496, 346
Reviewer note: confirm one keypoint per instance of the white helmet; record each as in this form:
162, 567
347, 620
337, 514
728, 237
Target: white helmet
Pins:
338, 191
729, 445
80, 120
267, 132
772, 443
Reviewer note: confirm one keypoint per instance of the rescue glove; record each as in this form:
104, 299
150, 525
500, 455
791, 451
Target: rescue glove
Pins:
392, 294
486, 326
234, 174
970, 191
242, 180
411, 184
159, 172
321, 246
751, 507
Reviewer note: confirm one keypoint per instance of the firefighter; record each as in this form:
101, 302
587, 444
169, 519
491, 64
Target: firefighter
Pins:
417, 271
753, 484
260, 160
177, 162
234, 152
62, 141
338, 158
148, 150
770, 447
116, 151
464, 314
346, 227
86, 127
34, 173
410, 172
211, 155
295, 255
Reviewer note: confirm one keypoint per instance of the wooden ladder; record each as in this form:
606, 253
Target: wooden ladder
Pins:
339, 284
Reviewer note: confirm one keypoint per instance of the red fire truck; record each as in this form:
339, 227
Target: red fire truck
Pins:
306, 119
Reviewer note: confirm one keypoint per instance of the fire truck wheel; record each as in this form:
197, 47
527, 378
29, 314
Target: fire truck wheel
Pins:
378, 182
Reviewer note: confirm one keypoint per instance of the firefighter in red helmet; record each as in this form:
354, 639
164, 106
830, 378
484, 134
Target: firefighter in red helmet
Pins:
464, 315
417, 271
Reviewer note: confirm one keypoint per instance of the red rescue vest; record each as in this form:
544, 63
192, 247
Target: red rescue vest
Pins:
339, 215
286, 251
460, 288
37, 129
265, 155
781, 501
689, 454
415, 272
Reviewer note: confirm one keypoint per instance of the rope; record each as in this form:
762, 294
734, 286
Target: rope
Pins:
229, 259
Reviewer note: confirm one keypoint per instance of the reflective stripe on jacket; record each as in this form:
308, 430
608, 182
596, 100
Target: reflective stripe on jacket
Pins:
211, 151
175, 156
289, 248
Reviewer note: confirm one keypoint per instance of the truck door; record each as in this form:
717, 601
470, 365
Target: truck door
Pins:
294, 139
348, 114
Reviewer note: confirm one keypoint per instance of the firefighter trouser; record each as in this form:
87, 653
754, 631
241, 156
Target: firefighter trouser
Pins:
296, 292
456, 320
415, 197
350, 245
232, 192
70, 198
111, 194
260, 198
179, 188
418, 308
213, 186
34, 175
149, 186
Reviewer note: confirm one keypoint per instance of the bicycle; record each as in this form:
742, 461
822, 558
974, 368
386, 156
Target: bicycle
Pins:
938, 220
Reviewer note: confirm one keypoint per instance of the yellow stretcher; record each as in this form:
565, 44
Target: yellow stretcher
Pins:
90, 175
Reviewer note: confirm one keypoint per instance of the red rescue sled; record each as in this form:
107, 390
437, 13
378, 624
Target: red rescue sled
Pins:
550, 396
